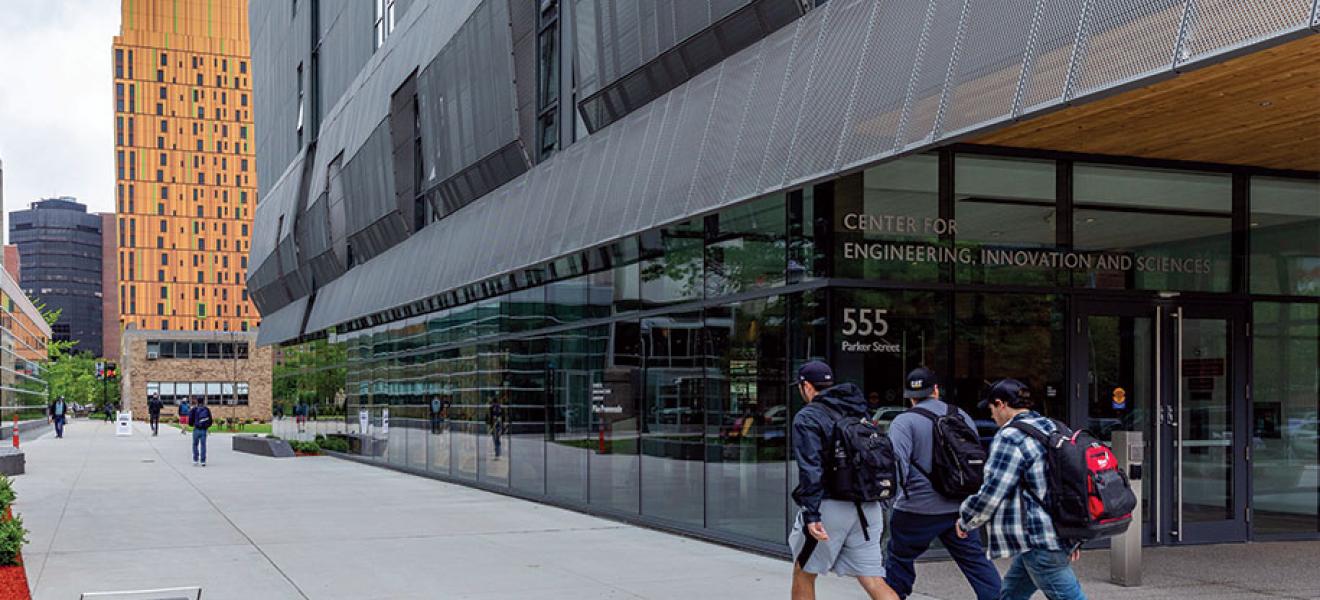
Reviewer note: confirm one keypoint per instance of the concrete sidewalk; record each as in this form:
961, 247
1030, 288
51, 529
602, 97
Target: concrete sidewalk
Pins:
111, 513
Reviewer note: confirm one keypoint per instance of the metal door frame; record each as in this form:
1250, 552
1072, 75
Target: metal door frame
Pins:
1166, 314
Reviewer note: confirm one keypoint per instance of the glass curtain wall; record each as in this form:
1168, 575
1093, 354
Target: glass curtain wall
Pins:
648, 377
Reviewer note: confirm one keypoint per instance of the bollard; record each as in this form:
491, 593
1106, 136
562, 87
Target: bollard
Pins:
1125, 549
15, 430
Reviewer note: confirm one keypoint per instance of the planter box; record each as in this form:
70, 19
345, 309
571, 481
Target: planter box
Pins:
12, 462
262, 446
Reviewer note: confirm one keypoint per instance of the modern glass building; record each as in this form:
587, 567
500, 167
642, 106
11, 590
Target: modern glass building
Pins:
23, 337
585, 276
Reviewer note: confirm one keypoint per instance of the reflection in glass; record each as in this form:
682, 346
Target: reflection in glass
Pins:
747, 419
893, 205
1206, 422
1285, 236
577, 359
879, 336
1285, 405
1119, 383
496, 395
615, 395
1005, 204
1175, 227
672, 271
745, 247
674, 349
526, 413
1008, 335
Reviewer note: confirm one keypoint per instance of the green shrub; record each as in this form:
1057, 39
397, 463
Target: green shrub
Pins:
6, 492
305, 447
12, 538
334, 444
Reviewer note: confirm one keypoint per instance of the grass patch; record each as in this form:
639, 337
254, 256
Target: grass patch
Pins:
250, 428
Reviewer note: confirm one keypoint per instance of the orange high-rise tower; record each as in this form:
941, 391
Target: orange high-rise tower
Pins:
185, 173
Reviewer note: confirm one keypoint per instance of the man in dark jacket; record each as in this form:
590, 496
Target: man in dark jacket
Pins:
200, 417
59, 410
829, 534
154, 405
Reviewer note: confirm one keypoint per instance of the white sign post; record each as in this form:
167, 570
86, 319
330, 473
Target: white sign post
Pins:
385, 422
364, 422
124, 423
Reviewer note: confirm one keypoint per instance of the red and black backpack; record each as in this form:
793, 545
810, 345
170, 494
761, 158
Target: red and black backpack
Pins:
1087, 495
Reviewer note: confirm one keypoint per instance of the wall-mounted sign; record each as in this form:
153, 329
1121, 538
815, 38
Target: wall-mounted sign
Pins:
992, 256
863, 331
364, 422
385, 422
1119, 398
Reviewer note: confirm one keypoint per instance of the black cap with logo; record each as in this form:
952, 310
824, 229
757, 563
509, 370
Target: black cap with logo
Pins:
920, 383
816, 372
1011, 392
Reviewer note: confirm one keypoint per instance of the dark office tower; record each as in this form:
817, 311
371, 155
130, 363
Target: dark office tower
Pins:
59, 246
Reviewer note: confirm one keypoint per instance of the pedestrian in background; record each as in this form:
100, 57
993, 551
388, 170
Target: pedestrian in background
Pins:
921, 513
154, 406
200, 417
1019, 527
109, 412
184, 410
58, 411
496, 421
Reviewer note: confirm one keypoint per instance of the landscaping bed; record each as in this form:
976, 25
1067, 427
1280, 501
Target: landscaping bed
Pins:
13, 577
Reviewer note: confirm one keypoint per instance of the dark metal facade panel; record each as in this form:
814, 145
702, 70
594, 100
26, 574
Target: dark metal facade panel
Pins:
469, 105
849, 84
283, 324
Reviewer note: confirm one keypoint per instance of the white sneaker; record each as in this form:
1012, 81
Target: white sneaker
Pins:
194, 463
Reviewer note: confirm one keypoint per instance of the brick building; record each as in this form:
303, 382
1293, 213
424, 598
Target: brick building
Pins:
226, 367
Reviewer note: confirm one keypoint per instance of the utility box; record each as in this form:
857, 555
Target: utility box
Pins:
1125, 550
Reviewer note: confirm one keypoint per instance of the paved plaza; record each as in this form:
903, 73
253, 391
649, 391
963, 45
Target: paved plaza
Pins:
113, 513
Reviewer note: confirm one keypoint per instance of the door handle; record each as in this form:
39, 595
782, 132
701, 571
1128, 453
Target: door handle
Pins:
1178, 403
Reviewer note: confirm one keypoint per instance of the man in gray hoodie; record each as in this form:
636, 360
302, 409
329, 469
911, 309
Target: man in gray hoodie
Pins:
920, 513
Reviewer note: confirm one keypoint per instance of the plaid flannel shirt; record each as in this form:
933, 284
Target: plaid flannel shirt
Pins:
1018, 522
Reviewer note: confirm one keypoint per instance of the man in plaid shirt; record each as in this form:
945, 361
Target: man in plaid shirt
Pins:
1007, 502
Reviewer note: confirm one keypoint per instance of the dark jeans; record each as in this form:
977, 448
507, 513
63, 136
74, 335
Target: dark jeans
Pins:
155, 424
1050, 571
910, 534
59, 426
199, 437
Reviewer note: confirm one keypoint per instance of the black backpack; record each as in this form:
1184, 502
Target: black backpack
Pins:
203, 418
859, 461
1087, 495
957, 458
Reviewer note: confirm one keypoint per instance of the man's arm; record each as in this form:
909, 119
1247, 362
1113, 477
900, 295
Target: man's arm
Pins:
808, 441
900, 435
1002, 472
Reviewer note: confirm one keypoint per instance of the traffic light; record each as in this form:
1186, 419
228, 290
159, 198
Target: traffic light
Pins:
111, 370
100, 370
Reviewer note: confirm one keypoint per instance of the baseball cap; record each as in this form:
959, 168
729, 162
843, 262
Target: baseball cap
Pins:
1010, 391
920, 383
817, 372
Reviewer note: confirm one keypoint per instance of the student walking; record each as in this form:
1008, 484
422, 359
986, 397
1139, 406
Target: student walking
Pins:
184, 411
927, 438
1008, 502
200, 417
59, 410
833, 532
497, 425
154, 406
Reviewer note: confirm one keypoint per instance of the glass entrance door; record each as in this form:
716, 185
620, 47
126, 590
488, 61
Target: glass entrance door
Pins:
1174, 371
1211, 443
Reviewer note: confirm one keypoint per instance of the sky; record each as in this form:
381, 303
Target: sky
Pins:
56, 103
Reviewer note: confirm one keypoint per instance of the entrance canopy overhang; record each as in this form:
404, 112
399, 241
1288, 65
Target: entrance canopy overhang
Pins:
1260, 109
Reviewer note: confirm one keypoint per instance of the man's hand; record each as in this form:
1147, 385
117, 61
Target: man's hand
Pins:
818, 531
1076, 555
957, 528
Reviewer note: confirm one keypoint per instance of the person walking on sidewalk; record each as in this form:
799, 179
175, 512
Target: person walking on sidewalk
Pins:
1018, 525
830, 533
109, 412
921, 512
184, 411
154, 405
59, 410
200, 417
496, 424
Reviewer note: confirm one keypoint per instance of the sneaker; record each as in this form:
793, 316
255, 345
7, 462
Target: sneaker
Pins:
195, 463
203, 464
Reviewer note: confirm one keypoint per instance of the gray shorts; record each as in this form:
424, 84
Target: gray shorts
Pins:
847, 553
